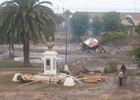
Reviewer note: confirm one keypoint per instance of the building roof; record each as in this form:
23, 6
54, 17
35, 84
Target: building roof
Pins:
136, 16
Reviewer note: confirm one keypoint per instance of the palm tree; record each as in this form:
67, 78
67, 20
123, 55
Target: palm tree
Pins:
25, 21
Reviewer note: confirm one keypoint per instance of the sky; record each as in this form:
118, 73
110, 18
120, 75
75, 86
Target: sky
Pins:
94, 5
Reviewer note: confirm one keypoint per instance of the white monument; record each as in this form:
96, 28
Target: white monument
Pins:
50, 59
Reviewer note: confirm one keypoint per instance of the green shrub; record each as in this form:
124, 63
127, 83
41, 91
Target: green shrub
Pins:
113, 37
110, 68
136, 52
62, 71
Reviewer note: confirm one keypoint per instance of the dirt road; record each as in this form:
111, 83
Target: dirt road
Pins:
105, 90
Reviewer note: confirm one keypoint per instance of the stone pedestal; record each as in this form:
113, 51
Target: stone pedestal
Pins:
50, 62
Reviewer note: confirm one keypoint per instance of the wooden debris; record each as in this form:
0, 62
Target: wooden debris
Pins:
27, 77
93, 78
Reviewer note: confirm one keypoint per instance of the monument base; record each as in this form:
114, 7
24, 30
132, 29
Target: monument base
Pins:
66, 68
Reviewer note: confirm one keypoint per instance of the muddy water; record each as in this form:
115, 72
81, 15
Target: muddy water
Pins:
75, 58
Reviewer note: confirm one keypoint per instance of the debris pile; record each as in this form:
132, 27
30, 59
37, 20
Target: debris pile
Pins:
66, 80
93, 78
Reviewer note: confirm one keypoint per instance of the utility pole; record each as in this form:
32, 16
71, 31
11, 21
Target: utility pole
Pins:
66, 17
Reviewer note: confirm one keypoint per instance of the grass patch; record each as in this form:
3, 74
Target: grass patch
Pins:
61, 87
8, 83
11, 64
55, 86
137, 73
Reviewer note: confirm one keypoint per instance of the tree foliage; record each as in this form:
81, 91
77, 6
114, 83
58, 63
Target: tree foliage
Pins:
112, 22
62, 18
79, 24
96, 25
66, 15
26, 20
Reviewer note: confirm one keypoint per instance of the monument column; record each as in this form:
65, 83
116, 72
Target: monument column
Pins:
50, 59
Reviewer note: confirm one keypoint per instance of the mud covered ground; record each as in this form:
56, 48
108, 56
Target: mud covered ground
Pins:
105, 90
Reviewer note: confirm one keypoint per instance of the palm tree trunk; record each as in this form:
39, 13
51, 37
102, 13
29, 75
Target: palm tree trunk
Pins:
26, 51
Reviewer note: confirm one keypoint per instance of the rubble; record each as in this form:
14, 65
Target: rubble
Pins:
59, 78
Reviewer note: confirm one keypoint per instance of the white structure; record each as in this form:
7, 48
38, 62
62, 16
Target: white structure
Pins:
15, 77
50, 62
69, 81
